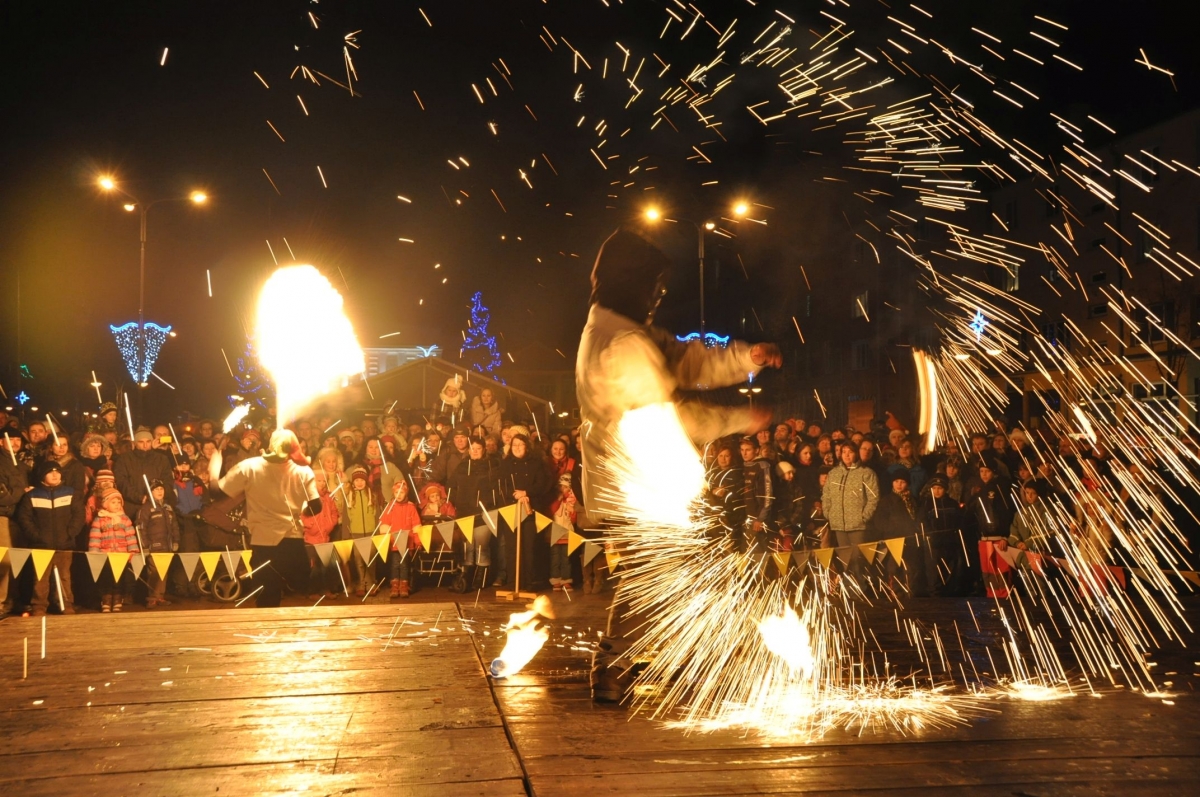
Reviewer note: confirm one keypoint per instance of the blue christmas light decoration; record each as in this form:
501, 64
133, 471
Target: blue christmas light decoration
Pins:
253, 384
979, 324
427, 352
22, 398
710, 339
140, 359
488, 360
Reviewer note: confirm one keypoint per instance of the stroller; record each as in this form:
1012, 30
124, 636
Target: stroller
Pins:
222, 527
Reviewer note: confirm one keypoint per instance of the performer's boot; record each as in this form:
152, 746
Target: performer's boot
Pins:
402, 589
395, 588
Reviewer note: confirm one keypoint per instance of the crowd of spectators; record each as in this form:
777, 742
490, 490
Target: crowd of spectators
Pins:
967, 516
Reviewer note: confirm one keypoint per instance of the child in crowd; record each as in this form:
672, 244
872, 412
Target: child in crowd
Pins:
49, 516
398, 521
358, 520
318, 529
112, 532
160, 531
564, 512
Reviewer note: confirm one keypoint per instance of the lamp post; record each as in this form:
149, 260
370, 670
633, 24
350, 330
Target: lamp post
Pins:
108, 184
653, 215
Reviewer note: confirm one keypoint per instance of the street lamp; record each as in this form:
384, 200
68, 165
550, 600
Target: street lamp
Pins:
110, 185
739, 210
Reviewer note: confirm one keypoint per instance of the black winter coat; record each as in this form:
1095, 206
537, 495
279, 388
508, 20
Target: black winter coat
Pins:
50, 518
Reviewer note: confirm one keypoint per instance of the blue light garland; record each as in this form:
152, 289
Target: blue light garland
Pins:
253, 384
710, 339
478, 338
152, 337
979, 324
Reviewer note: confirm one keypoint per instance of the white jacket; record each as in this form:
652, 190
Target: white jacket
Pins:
623, 365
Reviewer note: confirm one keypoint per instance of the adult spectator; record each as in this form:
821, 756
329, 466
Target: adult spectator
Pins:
525, 479
753, 506
96, 454
486, 414
278, 490
13, 484
849, 500
942, 519
137, 468
899, 516
989, 517
36, 437
447, 462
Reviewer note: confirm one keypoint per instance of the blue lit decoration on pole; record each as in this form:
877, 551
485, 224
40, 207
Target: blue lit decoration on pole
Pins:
131, 344
488, 360
979, 324
253, 384
22, 398
710, 339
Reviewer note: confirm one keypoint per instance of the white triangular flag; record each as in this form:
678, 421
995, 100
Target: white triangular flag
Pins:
324, 552
189, 562
96, 562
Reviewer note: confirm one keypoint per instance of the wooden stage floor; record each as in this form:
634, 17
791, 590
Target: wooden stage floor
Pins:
319, 701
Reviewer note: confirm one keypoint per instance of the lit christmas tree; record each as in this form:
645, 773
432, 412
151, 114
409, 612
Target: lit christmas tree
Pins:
253, 384
478, 338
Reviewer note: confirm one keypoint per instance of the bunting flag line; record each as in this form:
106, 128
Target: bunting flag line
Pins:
590, 550
782, 558
231, 561
467, 526
800, 558
425, 533
344, 549
189, 562
540, 521
824, 556
613, 557
509, 513
161, 562
324, 552
364, 546
557, 532
382, 543
137, 563
246, 559
3, 551
41, 560
96, 561
446, 529
574, 540
868, 550
895, 547
209, 559
117, 562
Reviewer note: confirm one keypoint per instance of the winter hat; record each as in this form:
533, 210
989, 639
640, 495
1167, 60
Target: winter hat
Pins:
105, 448
784, 468
937, 481
44, 468
357, 472
899, 473
109, 494
519, 429
106, 408
564, 480
104, 474
141, 434
157, 483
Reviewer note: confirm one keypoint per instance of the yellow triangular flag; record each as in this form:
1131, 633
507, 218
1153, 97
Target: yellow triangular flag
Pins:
781, 561
895, 547
3, 551
381, 544
868, 550
613, 556
1190, 576
117, 562
541, 521
41, 560
426, 535
509, 514
824, 556
467, 526
162, 562
344, 549
574, 541
209, 559
246, 559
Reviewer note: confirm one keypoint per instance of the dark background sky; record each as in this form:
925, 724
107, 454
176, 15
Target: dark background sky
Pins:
84, 93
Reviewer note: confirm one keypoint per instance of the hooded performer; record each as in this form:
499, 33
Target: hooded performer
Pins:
279, 486
624, 363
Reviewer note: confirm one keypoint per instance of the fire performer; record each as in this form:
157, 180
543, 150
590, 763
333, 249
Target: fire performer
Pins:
279, 486
624, 363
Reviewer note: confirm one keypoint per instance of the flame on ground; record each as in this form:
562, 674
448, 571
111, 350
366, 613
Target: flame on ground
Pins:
526, 635
306, 366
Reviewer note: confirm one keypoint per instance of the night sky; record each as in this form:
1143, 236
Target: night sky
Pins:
84, 93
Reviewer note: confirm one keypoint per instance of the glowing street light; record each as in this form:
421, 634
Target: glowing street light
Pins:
653, 215
109, 184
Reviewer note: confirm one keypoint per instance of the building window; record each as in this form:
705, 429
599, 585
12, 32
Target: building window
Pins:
859, 305
1055, 333
1097, 311
1010, 214
1099, 242
1165, 311
808, 306
1012, 278
1100, 277
860, 355
1145, 245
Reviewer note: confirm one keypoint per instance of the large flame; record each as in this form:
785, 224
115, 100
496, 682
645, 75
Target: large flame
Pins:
526, 635
787, 637
653, 492
304, 362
